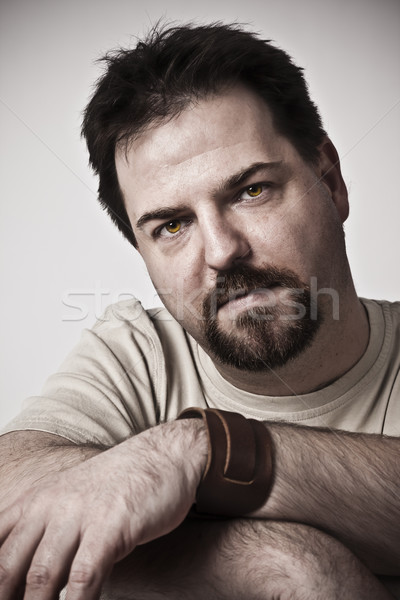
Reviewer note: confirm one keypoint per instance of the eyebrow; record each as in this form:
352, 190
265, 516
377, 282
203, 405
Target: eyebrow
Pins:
232, 182
242, 176
164, 214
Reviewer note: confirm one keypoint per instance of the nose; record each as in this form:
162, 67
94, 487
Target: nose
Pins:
224, 243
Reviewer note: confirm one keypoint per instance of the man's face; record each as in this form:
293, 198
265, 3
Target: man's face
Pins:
232, 225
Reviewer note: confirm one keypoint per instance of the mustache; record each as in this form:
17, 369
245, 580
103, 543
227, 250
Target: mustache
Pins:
242, 280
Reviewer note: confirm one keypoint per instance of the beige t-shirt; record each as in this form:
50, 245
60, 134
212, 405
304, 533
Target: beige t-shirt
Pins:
138, 368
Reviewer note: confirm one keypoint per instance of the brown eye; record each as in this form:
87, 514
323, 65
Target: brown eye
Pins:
254, 190
173, 226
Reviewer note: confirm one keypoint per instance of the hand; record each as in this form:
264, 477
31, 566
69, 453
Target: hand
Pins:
75, 525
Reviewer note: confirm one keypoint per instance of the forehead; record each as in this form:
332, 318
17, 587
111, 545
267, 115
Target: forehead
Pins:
208, 142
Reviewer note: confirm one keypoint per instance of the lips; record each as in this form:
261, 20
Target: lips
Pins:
230, 295
226, 297
244, 280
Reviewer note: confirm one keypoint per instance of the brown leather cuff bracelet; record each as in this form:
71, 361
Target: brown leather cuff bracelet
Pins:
239, 470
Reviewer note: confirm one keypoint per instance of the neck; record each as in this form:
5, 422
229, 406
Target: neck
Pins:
337, 347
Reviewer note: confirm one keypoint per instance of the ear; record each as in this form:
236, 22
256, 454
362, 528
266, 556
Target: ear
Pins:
328, 170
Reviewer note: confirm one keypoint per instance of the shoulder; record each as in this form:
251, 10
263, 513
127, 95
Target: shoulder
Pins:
131, 315
384, 315
126, 314
129, 320
387, 307
128, 327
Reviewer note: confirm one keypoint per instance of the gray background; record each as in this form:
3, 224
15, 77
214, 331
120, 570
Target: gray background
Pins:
62, 262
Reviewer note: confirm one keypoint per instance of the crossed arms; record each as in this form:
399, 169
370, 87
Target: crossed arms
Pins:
70, 513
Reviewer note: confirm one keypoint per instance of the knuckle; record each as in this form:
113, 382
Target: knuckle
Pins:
30, 509
38, 576
35, 502
5, 574
82, 576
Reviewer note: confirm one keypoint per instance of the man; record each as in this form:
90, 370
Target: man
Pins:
213, 162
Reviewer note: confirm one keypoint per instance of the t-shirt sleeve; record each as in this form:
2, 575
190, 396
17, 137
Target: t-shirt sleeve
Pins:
107, 389
392, 417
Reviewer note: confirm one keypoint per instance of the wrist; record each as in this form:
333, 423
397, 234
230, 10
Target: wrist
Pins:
189, 439
239, 470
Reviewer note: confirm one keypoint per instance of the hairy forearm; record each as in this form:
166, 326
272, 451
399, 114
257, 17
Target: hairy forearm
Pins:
343, 484
26, 457
243, 558
346, 484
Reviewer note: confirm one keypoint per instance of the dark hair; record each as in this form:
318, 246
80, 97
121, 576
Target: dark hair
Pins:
157, 79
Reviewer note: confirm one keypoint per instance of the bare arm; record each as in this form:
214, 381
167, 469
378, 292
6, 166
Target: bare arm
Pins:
219, 560
243, 558
160, 469
26, 457
88, 509
346, 484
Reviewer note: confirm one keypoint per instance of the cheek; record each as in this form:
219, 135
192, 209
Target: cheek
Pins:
185, 305
162, 275
301, 238
276, 240
179, 284
316, 242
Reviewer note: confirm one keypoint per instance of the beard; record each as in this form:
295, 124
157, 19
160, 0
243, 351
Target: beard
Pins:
265, 336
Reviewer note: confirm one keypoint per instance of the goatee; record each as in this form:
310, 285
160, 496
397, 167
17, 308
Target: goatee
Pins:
266, 336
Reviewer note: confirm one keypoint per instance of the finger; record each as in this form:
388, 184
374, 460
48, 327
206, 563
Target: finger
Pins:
16, 554
8, 520
51, 562
92, 565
